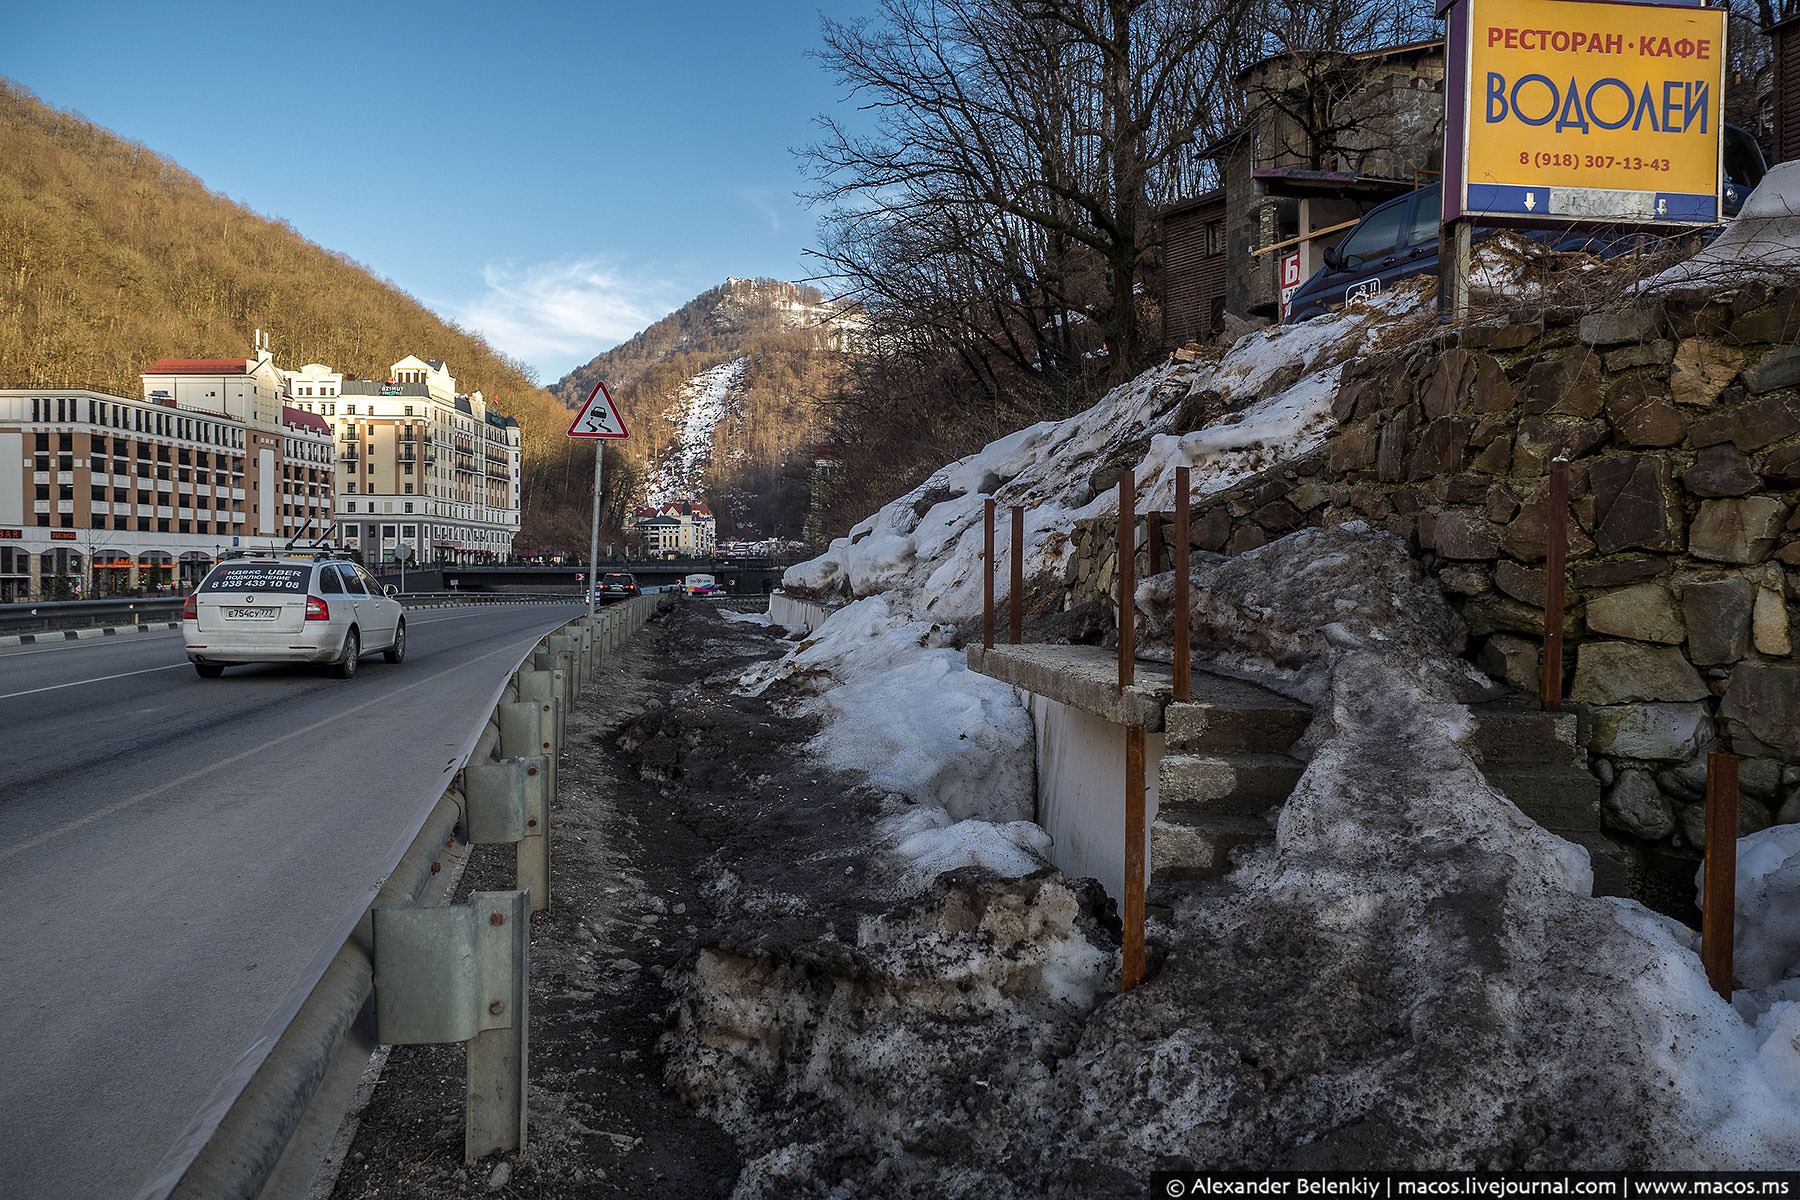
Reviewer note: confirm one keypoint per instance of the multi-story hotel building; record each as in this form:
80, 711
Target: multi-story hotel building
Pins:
424, 474
106, 495
676, 529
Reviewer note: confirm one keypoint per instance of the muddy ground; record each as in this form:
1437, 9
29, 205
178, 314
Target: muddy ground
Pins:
668, 782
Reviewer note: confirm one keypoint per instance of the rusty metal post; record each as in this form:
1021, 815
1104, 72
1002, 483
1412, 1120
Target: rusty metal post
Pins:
1015, 625
1719, 887
1132, 973
1127, 573
1153, 541
1183, 646
987, 574
1556, 554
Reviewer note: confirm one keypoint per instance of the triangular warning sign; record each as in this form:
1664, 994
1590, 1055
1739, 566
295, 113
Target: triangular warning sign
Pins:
599, 417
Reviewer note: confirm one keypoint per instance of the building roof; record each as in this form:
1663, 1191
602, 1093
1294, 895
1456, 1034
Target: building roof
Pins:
311, 422
199, 366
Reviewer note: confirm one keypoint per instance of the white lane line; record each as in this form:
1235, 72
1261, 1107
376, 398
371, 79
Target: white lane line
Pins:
122, 805
97, 679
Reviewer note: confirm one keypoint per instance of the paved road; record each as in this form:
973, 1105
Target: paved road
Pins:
175, 852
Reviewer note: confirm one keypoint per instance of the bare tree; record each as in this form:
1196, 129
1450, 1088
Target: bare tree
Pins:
1017, 153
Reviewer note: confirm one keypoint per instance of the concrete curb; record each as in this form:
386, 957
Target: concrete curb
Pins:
77, 635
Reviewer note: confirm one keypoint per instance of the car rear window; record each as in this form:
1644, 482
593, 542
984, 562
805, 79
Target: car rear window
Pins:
257, 577
615, 579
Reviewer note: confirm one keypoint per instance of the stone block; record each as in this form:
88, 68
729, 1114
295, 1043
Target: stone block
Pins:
1779, 322
1440, 449
1353, 449
1526, 536
1618, 572
1464, 534
1641, 324
1651, 732
1691, 818
1244, 539
1781, 466
1465, 579
1391, 446
1511, 660
1635, 805
1496, 459
1494, 613
1566, 385
1720, 471
1750, 425
1646, 613
1780, 368
1635, 505
1770, 625
1763, 698
1685, 781
1643, 354
1717, 610
1745, 530
1209, 527
1506, 334
1620, 672
1761, 777
1541, 439
1502, 504
1701, 370
1521, 583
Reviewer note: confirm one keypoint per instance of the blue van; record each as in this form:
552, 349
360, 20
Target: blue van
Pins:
1399, 239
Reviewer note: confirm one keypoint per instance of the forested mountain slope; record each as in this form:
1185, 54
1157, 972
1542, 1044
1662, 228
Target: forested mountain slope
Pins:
112, 257
724, 399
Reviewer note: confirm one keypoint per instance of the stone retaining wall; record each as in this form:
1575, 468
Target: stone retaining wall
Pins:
1681, 420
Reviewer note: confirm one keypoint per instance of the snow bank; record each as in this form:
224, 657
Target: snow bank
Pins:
1763, 242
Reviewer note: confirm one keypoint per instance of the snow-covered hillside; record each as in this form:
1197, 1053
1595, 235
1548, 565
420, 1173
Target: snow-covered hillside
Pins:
1414, 975
702, 405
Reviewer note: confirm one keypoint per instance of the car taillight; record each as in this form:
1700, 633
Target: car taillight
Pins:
189, 612
316, 609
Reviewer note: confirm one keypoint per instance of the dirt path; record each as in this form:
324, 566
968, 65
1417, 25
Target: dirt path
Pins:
669, 782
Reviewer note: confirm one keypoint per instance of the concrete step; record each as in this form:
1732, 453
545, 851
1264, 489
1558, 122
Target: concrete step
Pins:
1613, 866
1508, 733
1226, 783
1242, 718
1187, 846
1560, 798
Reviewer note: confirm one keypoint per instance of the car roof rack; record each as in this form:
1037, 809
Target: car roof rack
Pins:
307, 552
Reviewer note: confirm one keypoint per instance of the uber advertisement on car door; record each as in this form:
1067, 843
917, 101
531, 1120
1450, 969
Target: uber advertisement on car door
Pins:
1588, 112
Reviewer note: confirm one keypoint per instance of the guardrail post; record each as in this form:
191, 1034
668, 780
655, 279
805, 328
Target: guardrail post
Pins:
509, 801
461, 973
528, 728
542, 686
1719, 875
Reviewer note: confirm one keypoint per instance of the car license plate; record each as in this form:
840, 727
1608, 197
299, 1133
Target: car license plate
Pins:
251, 614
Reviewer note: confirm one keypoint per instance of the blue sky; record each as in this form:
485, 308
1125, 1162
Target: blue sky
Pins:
556, 176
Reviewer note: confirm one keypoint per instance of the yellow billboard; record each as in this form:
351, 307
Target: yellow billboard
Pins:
1592, 111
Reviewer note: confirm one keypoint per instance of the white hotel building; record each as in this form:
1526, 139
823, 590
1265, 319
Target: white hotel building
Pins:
424, 474
106, 495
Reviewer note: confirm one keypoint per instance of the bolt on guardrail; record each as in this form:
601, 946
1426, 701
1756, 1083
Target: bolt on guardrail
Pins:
509, 801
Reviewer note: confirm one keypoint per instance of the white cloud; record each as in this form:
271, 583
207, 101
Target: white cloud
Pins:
558, 315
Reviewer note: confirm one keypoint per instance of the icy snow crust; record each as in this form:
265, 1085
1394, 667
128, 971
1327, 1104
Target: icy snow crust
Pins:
1414, 975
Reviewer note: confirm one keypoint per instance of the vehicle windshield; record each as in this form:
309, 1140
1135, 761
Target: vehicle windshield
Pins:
257, 577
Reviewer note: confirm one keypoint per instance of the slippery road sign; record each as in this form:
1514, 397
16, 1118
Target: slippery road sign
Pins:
599, 417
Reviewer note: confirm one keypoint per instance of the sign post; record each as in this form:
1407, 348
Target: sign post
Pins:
599, 421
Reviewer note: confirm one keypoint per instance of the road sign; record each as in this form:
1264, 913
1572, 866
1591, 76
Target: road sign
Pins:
1576, 112
1290, 281
599, 417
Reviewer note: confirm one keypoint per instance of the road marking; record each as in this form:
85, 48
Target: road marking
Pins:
129, 801
97, 679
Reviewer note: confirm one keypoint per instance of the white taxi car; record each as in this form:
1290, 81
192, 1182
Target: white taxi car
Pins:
290, 606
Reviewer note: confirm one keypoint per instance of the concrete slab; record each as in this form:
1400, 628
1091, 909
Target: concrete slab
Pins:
1082, 677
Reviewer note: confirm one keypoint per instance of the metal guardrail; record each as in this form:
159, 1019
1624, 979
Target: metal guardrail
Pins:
265, 1131
51, 615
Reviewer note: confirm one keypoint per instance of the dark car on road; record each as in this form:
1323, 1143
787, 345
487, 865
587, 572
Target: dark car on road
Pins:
1399, 239
616, 585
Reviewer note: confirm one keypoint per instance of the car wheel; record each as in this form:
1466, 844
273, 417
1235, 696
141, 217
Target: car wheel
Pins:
397, 652
345, 666
208, 670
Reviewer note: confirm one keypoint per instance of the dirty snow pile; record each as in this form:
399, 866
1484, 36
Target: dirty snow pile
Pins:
1413, 975
895, 698
1762, 242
